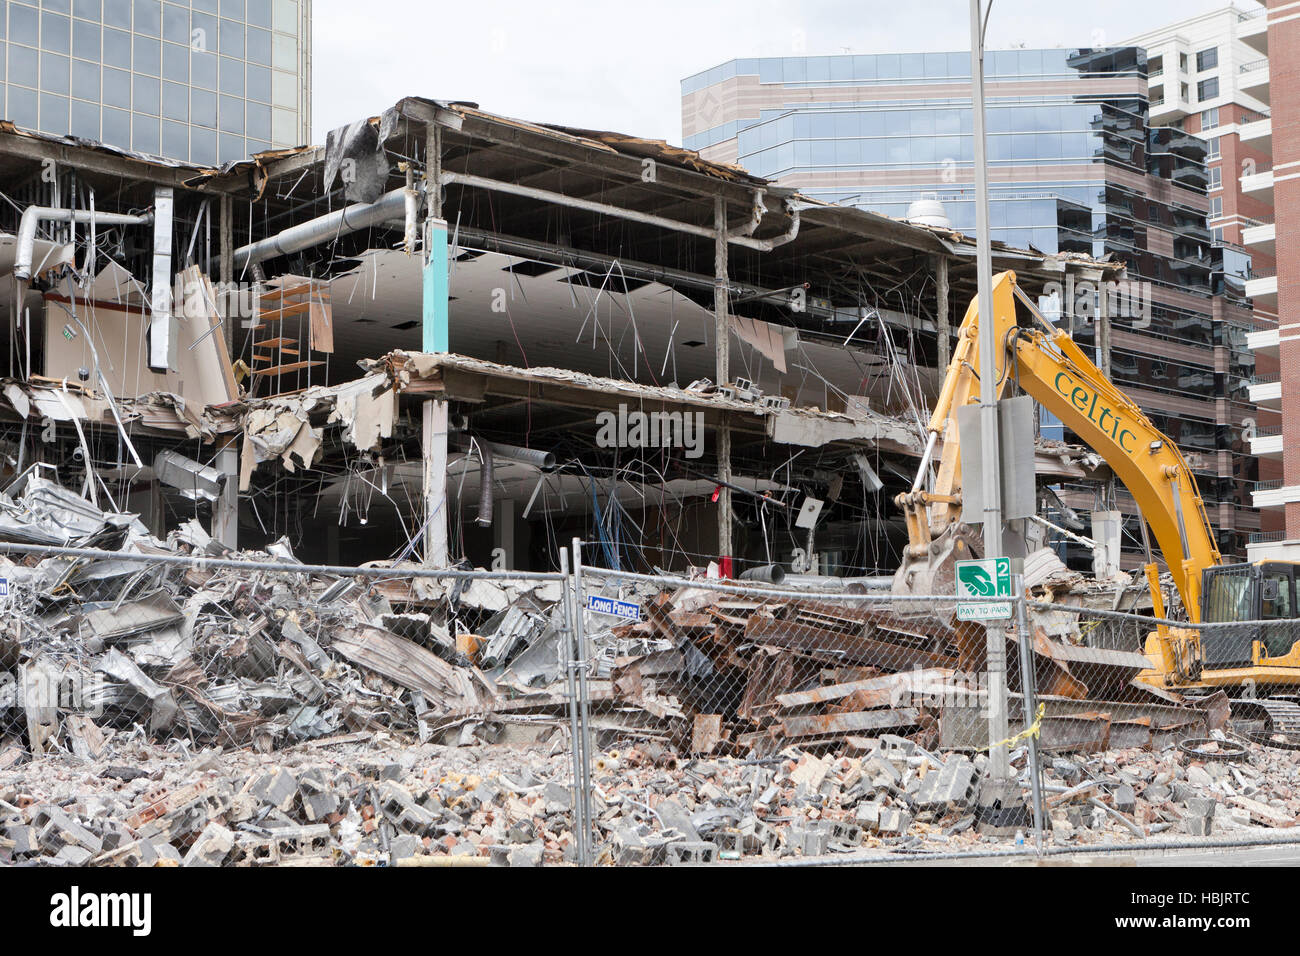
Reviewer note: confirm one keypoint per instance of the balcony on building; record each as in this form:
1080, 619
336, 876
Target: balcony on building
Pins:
1261, 237
1266, 392
1167, 104
1266, 494
1258, 185
1257, 135
1273, 545
1267, 442
1263, 342
1252, 79
1252, 29
1262, 290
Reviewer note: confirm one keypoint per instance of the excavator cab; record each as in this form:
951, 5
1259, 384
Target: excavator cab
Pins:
1263, 591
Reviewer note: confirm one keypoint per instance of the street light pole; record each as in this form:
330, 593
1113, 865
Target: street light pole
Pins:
996, 667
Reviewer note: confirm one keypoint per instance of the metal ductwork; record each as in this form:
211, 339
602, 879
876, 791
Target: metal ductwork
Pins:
767, 573
391, 205
34, 215
544, 460
485, 498
739, 237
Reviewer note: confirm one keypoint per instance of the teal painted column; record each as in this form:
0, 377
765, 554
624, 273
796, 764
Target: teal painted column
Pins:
434, 320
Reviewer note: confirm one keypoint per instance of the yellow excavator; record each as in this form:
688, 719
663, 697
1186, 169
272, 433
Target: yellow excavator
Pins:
1259, 658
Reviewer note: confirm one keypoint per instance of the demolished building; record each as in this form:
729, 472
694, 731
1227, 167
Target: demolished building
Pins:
256, 420
356, 337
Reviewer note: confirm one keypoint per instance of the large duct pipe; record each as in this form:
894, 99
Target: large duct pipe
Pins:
820, 582
484, 519
767, 573
34, 215
738, 237
544, 460
391, 205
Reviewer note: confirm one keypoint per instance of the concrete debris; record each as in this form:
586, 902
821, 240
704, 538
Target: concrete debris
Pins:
373, 800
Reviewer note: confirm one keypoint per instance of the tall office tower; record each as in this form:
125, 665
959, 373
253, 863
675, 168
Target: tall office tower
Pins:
204, 81
1222, 75
1074, 166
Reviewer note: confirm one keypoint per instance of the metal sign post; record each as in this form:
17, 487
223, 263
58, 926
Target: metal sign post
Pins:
999, 766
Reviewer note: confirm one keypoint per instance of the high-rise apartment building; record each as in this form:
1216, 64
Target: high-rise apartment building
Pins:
1231, 76
1074, 165
205, 81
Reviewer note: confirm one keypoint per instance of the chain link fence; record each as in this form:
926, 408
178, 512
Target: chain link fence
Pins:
188, 708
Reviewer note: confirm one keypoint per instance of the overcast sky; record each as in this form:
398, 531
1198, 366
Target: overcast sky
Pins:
616, 65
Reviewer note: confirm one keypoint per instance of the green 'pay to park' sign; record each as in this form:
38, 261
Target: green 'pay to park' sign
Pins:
979, 581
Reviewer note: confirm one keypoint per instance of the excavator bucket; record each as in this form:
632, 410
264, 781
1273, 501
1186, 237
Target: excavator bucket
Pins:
935, 572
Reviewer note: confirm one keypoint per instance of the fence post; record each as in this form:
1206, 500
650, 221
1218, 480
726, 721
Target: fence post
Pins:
1030, 705
584, 732
575, 738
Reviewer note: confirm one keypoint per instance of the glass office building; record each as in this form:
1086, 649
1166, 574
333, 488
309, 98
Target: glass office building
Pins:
204, 81
1074, 166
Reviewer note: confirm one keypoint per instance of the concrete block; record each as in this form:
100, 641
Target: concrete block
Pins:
56, 829
730, 841
72, 855
1199, 820
893, 822
319, 799
845, 833
1156, 793
690, 853
1124, 799
880, 772
397, 804
762, 839
948, 787
400, 847
305, 841
212, 847
558, 794
529, 855
868, 816
1182, 792
276, 787
809, 840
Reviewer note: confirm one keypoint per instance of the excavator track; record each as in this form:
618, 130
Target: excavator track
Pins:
1263, 721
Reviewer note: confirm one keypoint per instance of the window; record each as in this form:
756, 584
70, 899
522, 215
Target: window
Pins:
1182, 62
1182, 91
1157, 95
1217, 233
1155, 66
1210, 118
1216, 178
1207, 89
1207, 59
1216, 207
1212, 148
85, 43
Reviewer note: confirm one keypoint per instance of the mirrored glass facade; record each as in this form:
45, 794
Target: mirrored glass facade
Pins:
204, 81
1074, 166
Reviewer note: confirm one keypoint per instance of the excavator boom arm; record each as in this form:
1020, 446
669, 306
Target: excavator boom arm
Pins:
1051, 368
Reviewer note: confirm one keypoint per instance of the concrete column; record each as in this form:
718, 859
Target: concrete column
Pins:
225, 510
721, 348
942, 323
434, 444
435, 339
162, 322
226, 265
503, 532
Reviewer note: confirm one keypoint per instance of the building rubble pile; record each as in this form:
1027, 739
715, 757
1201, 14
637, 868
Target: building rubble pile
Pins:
179, 710
1219, 787
369, 799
